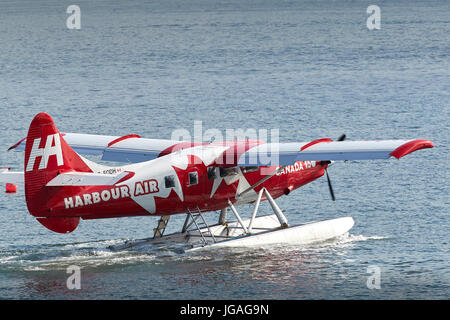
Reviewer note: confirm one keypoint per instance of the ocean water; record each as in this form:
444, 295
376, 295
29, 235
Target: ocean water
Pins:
311, 69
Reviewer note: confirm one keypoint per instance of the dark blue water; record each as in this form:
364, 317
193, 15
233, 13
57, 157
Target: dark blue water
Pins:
311, 69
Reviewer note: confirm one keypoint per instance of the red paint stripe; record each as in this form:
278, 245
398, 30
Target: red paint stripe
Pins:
128, 176
123, 138
180, 146
306, 146
411, 146
230, 157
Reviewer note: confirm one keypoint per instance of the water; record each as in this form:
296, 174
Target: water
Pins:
312, 69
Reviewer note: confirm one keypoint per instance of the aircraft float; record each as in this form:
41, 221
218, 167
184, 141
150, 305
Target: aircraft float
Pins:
166, 177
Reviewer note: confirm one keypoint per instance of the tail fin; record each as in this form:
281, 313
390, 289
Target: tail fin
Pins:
46, 155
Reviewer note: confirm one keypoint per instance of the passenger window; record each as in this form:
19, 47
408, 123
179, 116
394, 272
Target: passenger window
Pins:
169, 181
193, 178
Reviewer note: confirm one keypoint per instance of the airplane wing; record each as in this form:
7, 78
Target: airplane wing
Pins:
133, 148
325, 150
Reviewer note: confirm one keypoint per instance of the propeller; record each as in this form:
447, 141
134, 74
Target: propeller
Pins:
330, 187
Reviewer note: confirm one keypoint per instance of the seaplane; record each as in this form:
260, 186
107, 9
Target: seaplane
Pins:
162, 178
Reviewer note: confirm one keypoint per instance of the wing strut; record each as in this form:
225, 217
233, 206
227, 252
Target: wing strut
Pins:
261, 181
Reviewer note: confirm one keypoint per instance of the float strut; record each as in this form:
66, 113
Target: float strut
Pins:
223, 216
238, 217
255, 210
276, 210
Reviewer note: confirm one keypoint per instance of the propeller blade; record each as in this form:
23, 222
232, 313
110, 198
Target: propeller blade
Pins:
330, 186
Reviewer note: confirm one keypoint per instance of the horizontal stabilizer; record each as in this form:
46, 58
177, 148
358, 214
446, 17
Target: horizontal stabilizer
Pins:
10, 177
85, 179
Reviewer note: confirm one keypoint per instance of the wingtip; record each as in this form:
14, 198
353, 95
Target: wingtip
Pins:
410, 147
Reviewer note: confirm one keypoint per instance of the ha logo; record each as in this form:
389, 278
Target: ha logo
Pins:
46, 152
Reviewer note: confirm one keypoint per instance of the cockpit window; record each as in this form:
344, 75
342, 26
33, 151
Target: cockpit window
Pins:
212, 173
249, 169
225, 172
